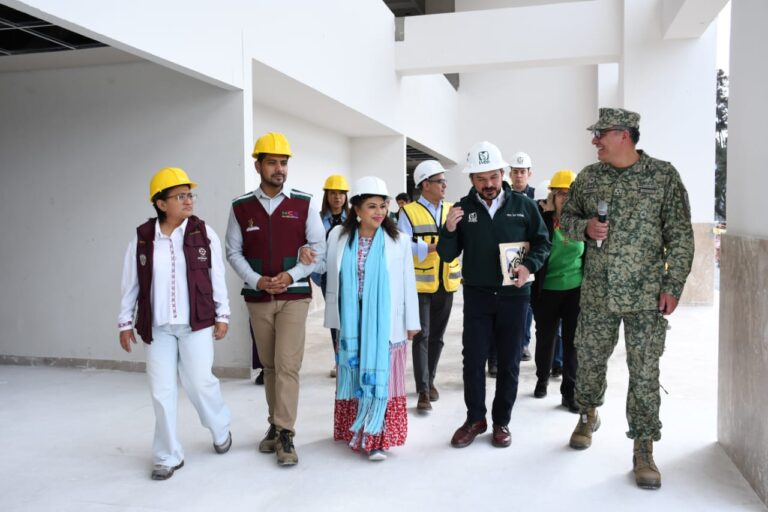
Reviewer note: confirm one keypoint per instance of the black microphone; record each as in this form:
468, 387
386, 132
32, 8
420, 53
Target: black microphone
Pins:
602, 216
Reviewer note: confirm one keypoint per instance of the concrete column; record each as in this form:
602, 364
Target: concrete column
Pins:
742, 379
671, 83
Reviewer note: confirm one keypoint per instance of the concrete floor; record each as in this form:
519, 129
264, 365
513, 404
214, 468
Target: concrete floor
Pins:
79, 440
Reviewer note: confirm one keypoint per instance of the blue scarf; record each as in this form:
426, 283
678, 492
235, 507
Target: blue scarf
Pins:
363, 367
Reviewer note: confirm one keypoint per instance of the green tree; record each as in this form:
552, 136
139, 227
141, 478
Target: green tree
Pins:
721, 144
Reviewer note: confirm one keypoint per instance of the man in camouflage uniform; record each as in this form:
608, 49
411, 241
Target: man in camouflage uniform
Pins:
636, 264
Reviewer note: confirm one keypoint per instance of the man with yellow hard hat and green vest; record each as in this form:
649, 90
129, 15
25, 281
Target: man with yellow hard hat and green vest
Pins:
436, 280
265, 231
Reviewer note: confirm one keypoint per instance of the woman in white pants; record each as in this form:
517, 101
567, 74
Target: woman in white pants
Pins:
173, 271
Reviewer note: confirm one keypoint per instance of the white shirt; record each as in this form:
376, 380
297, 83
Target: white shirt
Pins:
419, 248
495, 204
314, 232
170, 295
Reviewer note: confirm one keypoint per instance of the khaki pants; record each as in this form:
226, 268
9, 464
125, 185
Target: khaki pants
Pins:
279, 327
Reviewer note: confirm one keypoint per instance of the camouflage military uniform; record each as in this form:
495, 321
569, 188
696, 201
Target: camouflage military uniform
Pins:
649, 225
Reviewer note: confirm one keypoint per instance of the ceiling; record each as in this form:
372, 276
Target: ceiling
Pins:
22, 34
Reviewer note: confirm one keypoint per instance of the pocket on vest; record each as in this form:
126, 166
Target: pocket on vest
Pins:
205, 308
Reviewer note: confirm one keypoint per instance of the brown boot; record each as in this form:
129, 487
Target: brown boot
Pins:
423, 403
647, 474
589, 422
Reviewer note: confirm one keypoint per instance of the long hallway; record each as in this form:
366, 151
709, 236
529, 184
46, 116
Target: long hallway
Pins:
79, 440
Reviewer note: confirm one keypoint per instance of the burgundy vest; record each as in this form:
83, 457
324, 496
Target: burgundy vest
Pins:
197, 253
271, 242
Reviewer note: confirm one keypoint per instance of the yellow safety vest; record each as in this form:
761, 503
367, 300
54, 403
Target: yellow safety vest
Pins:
431, 271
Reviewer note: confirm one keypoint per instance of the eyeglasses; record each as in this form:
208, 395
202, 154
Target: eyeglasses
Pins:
441, 181
599, 133
184, 196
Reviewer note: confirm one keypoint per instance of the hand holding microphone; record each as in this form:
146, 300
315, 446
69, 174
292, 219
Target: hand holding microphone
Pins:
597, 228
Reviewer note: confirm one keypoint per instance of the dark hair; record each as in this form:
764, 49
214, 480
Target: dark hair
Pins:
634, 134
351, 224
261, 156
326, 207
163, 194
403, 196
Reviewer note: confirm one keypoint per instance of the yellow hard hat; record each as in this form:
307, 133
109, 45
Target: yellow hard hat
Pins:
336, 182
562, 179
273, 143
167, 178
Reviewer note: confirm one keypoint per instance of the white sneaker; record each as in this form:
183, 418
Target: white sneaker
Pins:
377, 455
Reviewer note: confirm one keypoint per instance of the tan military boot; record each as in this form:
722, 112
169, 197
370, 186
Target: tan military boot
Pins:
267, 445
647, 474
286, 452
589, 422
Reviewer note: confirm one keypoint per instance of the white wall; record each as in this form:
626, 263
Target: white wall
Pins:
747, 112
383, 157
543, 111
79, 147
671, 83
431, 107
202, 39
343, 50
545, 35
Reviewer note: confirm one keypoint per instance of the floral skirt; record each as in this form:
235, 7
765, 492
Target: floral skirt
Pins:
395, 418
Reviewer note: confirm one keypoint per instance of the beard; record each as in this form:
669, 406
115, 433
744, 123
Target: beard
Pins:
490, 193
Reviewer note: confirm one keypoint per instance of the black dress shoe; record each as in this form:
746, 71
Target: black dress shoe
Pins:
541, 390
259, 379
492, 370
570, 405
557, 371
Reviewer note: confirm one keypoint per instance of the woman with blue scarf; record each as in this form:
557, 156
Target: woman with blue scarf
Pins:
371, 298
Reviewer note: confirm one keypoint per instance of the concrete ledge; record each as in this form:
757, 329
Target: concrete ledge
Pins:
743, 355
222, 372
700, 286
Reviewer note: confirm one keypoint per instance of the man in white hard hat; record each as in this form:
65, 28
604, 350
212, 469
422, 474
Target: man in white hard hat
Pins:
266, 229
519, 174
436, 279
490, 215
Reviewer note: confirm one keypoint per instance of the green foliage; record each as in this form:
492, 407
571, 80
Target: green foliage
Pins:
721, 146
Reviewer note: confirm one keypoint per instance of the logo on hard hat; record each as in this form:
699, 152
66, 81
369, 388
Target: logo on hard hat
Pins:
520, 160
483, 157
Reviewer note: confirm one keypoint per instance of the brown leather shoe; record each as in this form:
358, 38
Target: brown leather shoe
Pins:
501, 437
423, 403
434, 395
468, 432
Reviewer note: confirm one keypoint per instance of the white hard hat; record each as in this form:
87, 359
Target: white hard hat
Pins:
370, 185
484, 157
521, 160
542, 191
426, 169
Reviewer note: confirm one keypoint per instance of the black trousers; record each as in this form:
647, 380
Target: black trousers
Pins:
488, 316
434, 311
550, 308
